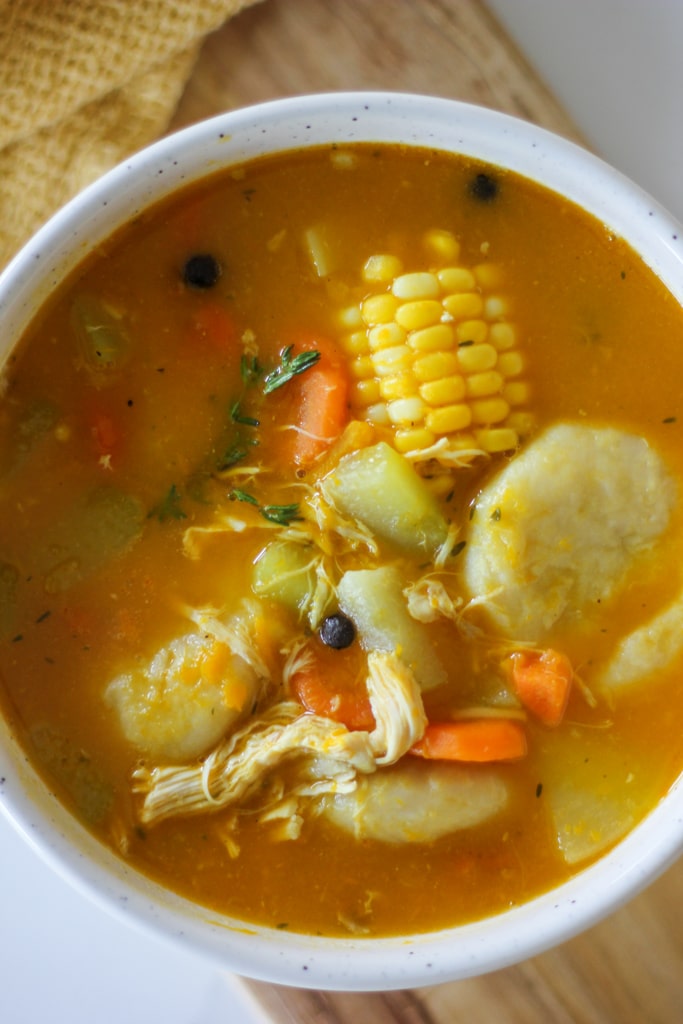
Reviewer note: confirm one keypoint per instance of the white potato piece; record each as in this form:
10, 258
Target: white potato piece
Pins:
413, 802
559, 528
590, 791
649, 649
185, 699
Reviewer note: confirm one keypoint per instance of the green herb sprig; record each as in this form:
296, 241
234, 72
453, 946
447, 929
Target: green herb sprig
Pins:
283, 515
289, 367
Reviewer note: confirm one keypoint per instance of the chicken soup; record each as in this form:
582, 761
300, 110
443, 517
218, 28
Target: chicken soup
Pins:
339, 564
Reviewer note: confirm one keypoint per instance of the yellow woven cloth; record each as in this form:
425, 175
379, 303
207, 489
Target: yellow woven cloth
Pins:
83, 84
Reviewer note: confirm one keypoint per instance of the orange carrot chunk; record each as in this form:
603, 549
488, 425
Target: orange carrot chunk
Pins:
348, 705
472, 739
542, 681
323, 410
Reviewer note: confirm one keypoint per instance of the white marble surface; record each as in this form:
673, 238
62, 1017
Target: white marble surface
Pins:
616, 66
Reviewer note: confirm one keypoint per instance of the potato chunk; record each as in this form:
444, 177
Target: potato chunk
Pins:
561, 526
416, 803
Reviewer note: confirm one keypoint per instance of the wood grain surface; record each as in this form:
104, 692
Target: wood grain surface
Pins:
629, 968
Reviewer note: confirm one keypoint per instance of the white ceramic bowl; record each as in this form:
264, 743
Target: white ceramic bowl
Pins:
159, 170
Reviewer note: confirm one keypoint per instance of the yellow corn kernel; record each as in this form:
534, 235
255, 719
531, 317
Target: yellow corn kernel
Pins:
400, 385
495, 306
350, 318
416, 315
516, 392
445, 391
462, 442
477, 358
441, 485
442, 244
431, 339
377, 414
386, 336
356, 344
406, 411
481, 385
365, 392
343, 159
463, 304
362, 367
448, 419
456, 279
497, 439
488, 275
392, 360
379, 309
522, 422
434, 365
413, 439
489, 410
502, 336
510, 364
419, 285
471, 330
382, 267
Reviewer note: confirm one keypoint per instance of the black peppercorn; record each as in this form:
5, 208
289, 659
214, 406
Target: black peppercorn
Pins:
201, 271
337, 631
484, 187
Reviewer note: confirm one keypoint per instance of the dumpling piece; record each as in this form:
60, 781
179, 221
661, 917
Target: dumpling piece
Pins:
563, 523
649, 649
185, 699
417, 803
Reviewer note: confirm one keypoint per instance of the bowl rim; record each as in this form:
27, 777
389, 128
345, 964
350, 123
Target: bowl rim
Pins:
139, 182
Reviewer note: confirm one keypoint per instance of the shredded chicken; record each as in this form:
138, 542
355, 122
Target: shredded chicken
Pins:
235, 768
396, 703
329, 756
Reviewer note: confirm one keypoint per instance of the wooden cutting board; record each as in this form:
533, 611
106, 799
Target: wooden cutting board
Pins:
628, 969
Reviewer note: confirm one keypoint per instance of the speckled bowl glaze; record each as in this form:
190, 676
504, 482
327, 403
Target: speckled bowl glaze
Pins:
290, 959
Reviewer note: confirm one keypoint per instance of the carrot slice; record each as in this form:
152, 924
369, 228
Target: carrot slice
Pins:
475, 739
339, 696
214, 327
323, 401
542, 681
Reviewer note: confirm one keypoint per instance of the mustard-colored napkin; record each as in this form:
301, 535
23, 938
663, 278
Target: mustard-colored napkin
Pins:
83, 84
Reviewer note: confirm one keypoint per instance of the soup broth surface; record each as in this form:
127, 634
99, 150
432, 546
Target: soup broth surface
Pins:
182, 515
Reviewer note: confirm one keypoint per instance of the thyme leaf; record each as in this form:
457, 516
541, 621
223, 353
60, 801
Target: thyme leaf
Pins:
169, 507
250, 369
237, 416
290, 366
238, 495
281, 514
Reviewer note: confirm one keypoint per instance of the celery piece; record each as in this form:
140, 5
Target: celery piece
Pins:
373, 599
103, 523
102, 338
76, 771
284, 571
380, 488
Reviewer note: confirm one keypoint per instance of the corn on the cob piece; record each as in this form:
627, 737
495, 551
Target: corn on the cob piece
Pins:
434, 355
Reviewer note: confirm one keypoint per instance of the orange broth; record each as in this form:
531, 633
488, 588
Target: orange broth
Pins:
602, 342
